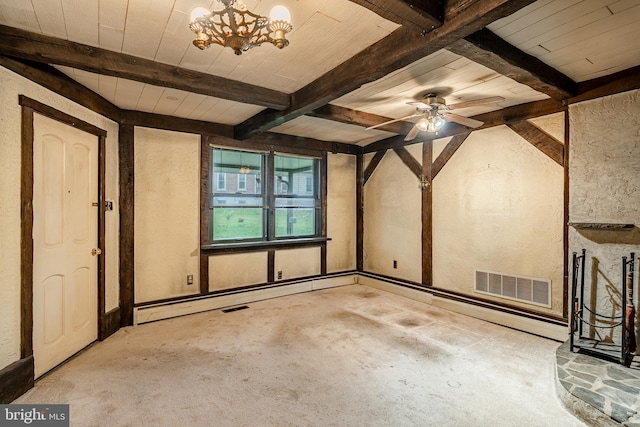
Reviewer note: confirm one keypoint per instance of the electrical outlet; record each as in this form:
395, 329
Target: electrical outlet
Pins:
189, 279
395, 263
279, 274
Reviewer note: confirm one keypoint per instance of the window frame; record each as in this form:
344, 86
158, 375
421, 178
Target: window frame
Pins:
266, 188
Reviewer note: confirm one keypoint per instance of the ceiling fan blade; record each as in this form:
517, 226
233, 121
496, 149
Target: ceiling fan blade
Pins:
481, 101
393, 121
412, 133
419, 104
466, 121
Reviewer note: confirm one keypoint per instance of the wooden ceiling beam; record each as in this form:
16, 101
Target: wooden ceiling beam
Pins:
401, 48
409, 161
486, 48
424, 15
176, 124
58, 82
373, 164
448, 152
619, 82
544, 142
359, 118
49, 50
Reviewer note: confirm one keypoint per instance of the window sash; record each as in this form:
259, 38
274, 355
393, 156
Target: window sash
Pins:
288, 207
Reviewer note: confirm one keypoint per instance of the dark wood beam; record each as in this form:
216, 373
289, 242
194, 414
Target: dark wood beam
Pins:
447, 153
50, 50
359, 118
373, 164
177, 124
127, 226
58, 82
427, 214
401, 48
540, 139
486, 48
425, 15
414, 166
360, 212
619, 82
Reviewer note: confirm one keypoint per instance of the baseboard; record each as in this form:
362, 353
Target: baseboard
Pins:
160, 311
110, 324
522, 321
16, 379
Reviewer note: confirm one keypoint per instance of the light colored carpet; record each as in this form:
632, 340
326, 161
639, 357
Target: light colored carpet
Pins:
349, 356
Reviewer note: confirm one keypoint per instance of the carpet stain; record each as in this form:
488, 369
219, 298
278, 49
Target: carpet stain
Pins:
409, 322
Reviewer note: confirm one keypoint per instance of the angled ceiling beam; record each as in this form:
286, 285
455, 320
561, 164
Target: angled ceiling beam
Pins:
49, 50
58, 82
373, 164
540, 139
447, 153
402, 47
425, 15
409, 161
486, 48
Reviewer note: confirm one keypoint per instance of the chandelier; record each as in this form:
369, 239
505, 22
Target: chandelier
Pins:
235, 27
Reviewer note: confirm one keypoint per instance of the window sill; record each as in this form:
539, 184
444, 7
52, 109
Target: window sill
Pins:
262, 246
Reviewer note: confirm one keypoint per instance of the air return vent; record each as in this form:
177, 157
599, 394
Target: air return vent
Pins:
519, 288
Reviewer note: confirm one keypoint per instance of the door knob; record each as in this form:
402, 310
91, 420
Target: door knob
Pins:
96, 251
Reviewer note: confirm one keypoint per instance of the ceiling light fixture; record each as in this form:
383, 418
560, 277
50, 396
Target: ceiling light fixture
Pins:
431, 122
235, 27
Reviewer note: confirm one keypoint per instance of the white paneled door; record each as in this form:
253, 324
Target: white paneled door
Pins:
65, 236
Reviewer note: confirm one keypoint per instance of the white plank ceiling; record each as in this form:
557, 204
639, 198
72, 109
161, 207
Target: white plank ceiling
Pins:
583, 39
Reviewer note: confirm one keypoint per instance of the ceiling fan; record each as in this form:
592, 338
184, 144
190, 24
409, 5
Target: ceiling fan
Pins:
435, 113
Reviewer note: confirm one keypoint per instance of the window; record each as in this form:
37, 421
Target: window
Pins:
243, 208
221, 181
296, 209
242, 182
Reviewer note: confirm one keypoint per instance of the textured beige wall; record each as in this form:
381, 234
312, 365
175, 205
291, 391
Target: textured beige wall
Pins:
498, 206
392, 219
341, 212
295, 263
236, 270
12, 85
167, 214
604, 171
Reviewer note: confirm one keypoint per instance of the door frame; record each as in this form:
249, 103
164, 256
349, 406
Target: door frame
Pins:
29, 108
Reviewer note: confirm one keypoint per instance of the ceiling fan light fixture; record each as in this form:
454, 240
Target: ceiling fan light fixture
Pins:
238, 28
423, 124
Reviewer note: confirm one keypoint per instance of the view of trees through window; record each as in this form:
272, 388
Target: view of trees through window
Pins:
242, 207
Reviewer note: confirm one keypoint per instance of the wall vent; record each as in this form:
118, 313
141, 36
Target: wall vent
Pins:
518, 288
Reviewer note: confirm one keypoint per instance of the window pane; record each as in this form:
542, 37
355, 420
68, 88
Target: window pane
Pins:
295, 202
294, 175
236, 171
238, 223
236, 201
295, 222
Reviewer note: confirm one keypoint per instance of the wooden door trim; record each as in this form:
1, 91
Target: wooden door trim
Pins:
29, 107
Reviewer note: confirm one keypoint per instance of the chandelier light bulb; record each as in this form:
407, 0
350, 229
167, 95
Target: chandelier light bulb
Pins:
198, 12
280, 13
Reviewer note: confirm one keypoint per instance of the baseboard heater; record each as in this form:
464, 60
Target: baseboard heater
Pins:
196, 304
